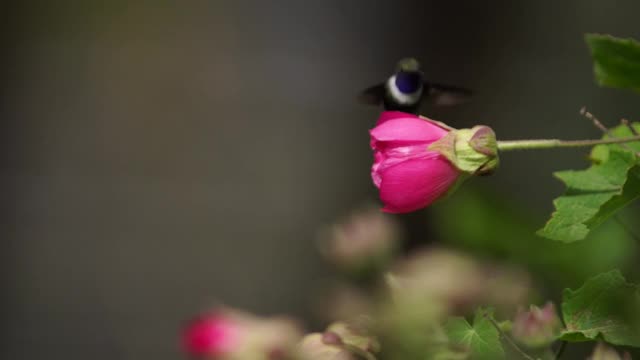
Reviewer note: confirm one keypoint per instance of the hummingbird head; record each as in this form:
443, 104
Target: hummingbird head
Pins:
408, 77
408, 65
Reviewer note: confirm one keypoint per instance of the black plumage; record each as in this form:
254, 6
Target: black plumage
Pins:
406, 98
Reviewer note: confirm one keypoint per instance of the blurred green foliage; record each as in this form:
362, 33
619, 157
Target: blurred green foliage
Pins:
481, 338
491, 225
616, 62
601, 309
595, 194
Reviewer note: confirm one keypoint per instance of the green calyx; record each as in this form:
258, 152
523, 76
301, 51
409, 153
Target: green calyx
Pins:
473, 151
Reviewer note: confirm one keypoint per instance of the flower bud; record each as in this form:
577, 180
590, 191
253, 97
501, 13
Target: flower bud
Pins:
454, 282
214, 334
230, 334
473, 151
443, 279
418, 161
536, 327
340, 341
365, 243
323, 346
355, 335
408, 174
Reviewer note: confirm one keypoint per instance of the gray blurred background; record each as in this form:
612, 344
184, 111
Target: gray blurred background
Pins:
164, 156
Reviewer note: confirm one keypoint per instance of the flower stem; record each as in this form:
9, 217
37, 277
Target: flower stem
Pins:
361, 353
627, 228
556, 143
558, 354
508, 338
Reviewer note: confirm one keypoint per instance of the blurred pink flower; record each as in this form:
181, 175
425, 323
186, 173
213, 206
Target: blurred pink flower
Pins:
323, 346
213, 334
537, 327
363, 244
452, 282
408, 175
340, 341
225, 334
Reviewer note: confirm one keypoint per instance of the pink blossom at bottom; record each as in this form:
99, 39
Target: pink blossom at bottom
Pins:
210, 335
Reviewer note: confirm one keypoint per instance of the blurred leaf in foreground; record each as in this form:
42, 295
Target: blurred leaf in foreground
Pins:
604, 308
452, 282
594, 194
616, 62
504, 229
481, 339
432, 284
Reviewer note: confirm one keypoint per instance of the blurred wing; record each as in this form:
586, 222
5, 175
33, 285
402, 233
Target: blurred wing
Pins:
446, 95
373, 95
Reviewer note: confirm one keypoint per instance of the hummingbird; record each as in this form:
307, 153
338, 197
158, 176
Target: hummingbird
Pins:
406, 90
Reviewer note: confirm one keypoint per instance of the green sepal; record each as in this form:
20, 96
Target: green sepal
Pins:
472, 151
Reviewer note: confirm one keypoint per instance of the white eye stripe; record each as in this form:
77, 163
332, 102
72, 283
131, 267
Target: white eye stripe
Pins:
400, 97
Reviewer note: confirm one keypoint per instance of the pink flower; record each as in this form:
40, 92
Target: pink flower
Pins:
408, 175
213, 334
362, 244
227, 333
537, 327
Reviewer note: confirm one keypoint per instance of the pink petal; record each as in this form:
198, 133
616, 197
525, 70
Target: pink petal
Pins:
392, 156
390, 115
406, 130
378, 159
210, 335
416, 183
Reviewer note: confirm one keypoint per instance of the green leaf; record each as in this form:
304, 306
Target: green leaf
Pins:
482, 339
604, 308
499, 227
616, 62
594, 194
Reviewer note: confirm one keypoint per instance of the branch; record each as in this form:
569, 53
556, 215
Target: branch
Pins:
608, 132
563, 345
508, 338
